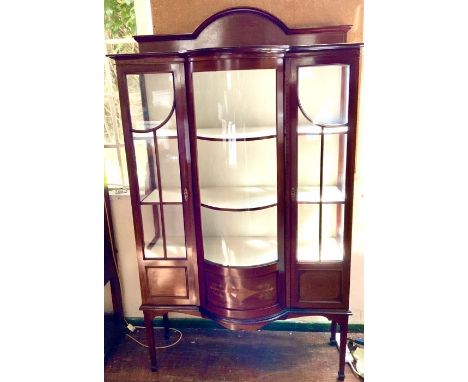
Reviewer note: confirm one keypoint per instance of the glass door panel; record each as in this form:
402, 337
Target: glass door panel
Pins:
333, 169
151, 98
308, 228
308, 171
146, 164
152, 231
235, 114
332, 232
322, 93
156, 144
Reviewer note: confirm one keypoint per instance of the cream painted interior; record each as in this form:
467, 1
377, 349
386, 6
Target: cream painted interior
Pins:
176, 16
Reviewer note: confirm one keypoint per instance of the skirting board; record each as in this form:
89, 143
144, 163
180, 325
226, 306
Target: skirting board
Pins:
285, 326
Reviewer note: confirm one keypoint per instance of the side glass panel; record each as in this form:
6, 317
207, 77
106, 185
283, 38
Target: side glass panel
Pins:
323, 93
332, 232
308, 227
321, 152
151, 98
235, 114
155, 141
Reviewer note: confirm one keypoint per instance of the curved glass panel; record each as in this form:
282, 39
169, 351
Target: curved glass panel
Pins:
240, 239
235, 115
235, 103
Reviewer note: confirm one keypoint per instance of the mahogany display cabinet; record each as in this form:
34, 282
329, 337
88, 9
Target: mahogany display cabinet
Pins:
240, 143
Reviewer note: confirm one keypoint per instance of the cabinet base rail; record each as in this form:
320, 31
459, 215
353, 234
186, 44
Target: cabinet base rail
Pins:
338, 318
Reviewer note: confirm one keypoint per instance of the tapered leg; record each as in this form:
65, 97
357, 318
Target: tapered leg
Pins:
150, 340
333, 334
167, 332
343, 345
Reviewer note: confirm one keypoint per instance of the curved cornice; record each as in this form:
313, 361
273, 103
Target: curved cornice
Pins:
246, 10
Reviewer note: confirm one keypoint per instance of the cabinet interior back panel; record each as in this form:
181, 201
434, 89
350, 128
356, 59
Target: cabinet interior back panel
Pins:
232, 97
237, 163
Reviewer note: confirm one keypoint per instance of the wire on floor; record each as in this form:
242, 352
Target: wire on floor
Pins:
157, 347
140, 327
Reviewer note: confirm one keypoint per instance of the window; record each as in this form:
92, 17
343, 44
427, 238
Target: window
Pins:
120, 24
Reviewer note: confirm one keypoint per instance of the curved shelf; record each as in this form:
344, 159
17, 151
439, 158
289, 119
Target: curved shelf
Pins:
311, 194
241, 251
242, 134
238, 198
247, 198
222, 198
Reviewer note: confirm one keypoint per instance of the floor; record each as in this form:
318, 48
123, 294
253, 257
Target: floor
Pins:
215, 355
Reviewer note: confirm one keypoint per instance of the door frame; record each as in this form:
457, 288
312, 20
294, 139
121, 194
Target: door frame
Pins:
239, 59
174, 65
349, 56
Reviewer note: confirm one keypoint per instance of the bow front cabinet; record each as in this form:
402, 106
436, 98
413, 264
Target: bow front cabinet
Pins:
240, 144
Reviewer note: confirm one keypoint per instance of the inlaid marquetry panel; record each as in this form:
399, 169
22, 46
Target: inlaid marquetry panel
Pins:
242, 293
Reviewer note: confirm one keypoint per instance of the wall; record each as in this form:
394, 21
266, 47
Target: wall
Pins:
183, 16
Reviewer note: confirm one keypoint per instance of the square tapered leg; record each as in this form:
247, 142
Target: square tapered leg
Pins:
343, 345
150, 339
333, 334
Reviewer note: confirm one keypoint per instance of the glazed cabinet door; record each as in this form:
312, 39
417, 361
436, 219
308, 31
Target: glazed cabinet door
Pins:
321, 127
157, 146
236, 101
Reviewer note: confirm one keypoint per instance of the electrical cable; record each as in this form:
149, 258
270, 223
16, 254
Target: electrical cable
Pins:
355, 372
157, 347
351, 364
114, 250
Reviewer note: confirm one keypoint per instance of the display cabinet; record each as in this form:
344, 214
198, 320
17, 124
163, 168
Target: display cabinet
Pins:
240, 142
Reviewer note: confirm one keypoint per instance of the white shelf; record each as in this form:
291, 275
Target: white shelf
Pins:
244, 251
246, 198
170, 195
311, 194
308, 251
238, 198
315, 130
241, 251
175, 246
257, 132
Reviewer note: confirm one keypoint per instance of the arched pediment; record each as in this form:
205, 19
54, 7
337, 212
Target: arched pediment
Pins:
244, 27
